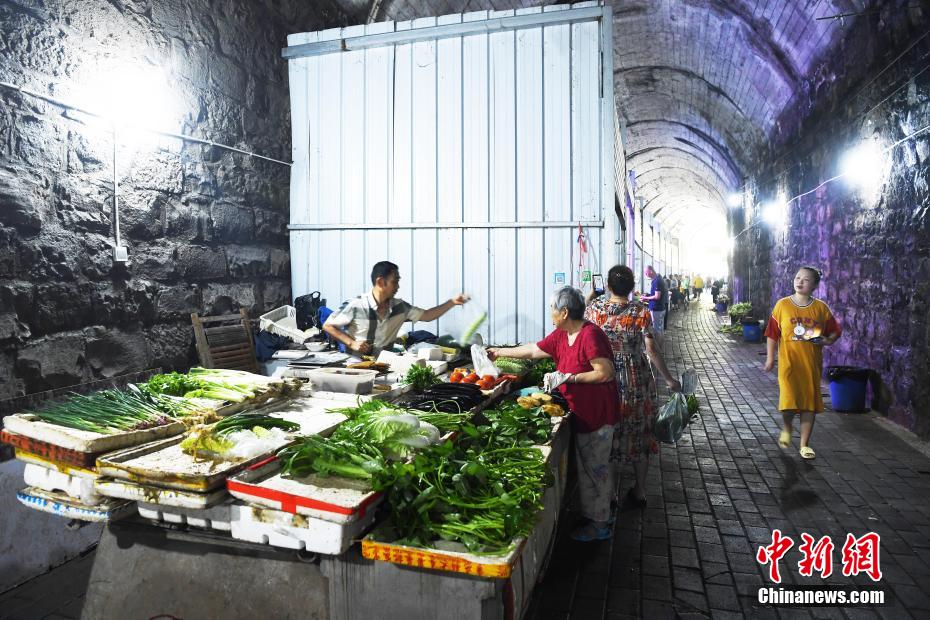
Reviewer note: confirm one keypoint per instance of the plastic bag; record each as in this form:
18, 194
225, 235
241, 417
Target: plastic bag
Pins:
473, 317
248, 444
481, 361
672, 419
689, 381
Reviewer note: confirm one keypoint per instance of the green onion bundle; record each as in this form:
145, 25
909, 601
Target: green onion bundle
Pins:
106, 412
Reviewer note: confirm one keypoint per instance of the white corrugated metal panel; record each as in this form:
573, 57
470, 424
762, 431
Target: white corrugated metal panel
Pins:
468, 158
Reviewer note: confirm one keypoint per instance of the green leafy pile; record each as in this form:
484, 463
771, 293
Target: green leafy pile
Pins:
542, 367
478, 495
509, 424
215, 439
362, 445
445, 422
420, 377
210, 383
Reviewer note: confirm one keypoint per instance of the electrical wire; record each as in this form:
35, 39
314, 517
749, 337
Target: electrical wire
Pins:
169, 134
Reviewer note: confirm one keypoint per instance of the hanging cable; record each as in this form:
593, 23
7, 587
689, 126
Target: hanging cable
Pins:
169, 134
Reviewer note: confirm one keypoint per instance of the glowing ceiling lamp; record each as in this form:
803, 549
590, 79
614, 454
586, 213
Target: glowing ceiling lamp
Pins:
864, 165
775, 213
735, 200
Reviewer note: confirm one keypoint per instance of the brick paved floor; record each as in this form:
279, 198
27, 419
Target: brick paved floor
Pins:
713, 499
716, 497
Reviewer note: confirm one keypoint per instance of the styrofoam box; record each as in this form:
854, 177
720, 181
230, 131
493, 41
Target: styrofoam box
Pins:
294, 531
78, 487
215, 518
282, 321
346, 380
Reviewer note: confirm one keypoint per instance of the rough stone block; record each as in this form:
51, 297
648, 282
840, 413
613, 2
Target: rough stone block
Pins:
172, 345
231, 223
53, 362
112, 352
22, 201
178, 302
246, 261
200, 263
227, 298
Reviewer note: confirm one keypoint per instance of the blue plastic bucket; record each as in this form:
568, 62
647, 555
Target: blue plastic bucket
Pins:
721, 307
848, 388
752, 332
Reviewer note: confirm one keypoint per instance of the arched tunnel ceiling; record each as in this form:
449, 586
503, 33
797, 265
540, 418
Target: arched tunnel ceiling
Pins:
700, 85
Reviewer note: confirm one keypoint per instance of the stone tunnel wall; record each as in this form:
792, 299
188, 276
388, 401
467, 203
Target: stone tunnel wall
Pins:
206, 229
874, 247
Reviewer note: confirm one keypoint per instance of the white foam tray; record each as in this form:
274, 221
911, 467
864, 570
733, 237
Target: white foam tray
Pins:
293, 531
29, 425
78, 487
63, 506
150, 494
216, 518
330, 498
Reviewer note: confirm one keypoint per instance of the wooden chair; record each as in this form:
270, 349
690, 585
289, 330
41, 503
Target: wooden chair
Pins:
225, 341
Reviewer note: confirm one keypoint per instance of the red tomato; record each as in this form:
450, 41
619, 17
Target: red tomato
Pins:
486, 385
471, 378
456, 377
488, 378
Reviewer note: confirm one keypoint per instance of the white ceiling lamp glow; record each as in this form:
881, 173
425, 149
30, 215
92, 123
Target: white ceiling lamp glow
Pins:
735, 200
863, 166
775, 213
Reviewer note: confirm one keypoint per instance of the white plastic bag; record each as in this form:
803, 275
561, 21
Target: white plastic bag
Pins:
689, 381
473, 318
481, 361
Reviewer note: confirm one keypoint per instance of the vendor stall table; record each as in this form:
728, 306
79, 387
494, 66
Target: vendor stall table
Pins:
145, 571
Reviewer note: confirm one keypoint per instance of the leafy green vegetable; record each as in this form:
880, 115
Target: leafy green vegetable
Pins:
351, 458
512, 365
542, 367
482, 497
420, 377
693, 404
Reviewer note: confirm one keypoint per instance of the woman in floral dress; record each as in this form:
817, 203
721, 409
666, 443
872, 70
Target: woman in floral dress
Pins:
628, 326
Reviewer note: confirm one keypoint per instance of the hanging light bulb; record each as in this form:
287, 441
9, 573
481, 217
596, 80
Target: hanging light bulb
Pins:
863, 166
775, 213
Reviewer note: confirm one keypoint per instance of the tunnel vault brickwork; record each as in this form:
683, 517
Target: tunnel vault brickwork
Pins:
873, 247
206, 229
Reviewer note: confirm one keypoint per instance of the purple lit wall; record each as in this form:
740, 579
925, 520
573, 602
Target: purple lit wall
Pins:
874, 250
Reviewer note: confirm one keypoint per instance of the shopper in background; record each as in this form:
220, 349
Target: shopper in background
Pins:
628, 325
715, 290
799, 327
698, 285
686, 287
657, 299
585, 373
370, 322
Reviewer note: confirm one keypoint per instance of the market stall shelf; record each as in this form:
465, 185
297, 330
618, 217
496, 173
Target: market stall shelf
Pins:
63, 506
296, 531
332, 498
151, 494
48, 451
217, 518
78, 486
29, 425
165, 464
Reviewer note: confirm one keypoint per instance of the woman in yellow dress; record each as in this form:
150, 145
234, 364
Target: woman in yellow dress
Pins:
799, 327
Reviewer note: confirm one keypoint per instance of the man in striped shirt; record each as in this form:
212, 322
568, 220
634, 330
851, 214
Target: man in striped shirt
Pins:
370, 322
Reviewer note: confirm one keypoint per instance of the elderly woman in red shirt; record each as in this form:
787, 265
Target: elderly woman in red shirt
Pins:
585, 373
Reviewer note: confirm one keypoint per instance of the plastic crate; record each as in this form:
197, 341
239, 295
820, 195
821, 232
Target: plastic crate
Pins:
283, 321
